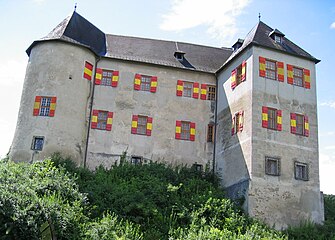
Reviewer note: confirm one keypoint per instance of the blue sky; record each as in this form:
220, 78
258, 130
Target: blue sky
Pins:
308, 23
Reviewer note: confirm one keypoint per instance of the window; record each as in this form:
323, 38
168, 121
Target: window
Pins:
102, 120
301, 171
197, 167
136, 160
37, 143
271, 69
107, 76
211, 90
188, 89
237, 122
44, 106
298, 77
185, 130
299, 124
272, 166
271, 118
141, 125
145, 83
238, 75
210, 133
277, 38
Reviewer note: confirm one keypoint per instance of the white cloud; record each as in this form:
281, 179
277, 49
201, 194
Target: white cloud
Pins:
327, 166
328, 104
332, 25
220, 16
12, 72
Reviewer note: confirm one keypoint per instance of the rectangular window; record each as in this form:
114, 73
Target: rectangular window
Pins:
145, 83
211, 91
44, 106
301, 171
107, 76
136, 160
102, 120
300, 124
188, 89
197, 167
237, 122
142, 125
210, 133
37, 143
271, 118
271, 70
238, 75
272, 166
185, 130
298, 77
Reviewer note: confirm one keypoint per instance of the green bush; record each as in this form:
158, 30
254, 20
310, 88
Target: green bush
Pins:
34, 193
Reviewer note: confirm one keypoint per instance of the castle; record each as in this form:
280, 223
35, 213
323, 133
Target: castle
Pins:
249, 111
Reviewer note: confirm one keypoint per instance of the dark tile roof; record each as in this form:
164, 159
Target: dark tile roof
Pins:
260, 36
196, 57
78, 30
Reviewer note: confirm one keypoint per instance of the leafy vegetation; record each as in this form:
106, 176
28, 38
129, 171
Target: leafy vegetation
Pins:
149, 201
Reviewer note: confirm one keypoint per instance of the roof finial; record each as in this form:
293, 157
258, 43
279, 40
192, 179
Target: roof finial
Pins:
75, 7
259, 17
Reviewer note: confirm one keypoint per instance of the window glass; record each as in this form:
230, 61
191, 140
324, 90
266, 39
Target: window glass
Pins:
272, 166
185, 131
142, 125
211, 90
272, 118
102, 120
145, 83
298, 77
301, 171
188, 89
38, 143
299, 124
107, 76
270, 69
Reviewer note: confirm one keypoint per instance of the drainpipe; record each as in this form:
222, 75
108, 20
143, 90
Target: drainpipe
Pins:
90, 110
215, 121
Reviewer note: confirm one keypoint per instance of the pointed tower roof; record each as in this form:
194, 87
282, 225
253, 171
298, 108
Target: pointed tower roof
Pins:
261, 34
76, 29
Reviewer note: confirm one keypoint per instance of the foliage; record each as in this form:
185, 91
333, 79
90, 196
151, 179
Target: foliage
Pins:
110, 227
34, 193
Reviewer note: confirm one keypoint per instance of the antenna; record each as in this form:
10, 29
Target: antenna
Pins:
259, 17
75, 7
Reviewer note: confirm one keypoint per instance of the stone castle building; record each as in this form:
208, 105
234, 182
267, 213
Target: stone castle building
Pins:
249, 112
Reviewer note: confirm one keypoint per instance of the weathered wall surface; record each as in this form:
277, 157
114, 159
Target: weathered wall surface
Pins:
288, 200
163, 106
233, 153
50, 67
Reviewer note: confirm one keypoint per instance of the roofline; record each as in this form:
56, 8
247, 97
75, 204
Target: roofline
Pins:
252, 44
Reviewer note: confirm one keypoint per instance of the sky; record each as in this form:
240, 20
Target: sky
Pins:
308, 23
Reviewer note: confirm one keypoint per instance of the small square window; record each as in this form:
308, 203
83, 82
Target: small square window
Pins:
301, 171
136, 160
272, 166
197, 167
107, 76
277, 39
37, 143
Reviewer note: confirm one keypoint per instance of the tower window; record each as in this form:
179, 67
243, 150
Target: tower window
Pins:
301, 171
211, 90
272, 166
37, 143
210, 133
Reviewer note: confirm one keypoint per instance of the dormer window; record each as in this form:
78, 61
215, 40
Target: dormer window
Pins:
238, 44
277, 36
277, 39
179, 55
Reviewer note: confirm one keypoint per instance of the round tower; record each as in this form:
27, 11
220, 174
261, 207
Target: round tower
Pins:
54, 109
